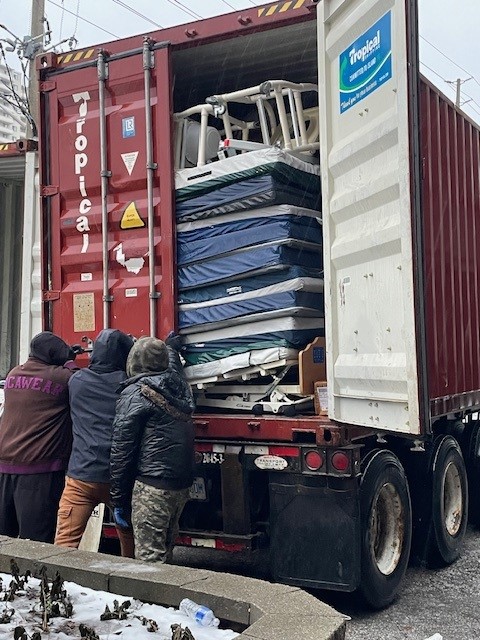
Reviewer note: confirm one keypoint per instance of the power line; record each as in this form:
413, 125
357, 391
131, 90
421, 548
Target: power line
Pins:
450, 60
137, 13
76, 19
61, 19
433, 71
450, 84
84, 19
470, 99
179, 5
229, 5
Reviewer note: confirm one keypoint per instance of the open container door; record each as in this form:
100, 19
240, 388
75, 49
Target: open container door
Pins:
367, 104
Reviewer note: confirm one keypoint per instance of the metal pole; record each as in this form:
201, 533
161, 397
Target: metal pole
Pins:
459, 92
105, 174
36, 30
151, 167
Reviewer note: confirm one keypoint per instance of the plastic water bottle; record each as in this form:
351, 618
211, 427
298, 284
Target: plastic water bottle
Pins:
436, 636
202, 615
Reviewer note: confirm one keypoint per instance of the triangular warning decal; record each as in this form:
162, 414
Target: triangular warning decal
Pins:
129, 160
131, 218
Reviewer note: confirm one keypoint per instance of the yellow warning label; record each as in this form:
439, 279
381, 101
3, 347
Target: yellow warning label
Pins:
131, 218
75, 56
280, 7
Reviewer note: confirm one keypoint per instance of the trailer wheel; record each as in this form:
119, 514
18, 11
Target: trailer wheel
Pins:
386, 518
449, 502
472, 463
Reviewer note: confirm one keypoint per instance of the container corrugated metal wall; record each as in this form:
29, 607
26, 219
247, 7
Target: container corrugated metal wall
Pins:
11, 228
450, 145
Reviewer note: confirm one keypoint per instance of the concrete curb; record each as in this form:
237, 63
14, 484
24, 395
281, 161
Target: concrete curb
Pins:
268, 611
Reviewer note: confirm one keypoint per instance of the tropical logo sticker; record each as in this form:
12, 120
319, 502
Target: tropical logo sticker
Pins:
366, 64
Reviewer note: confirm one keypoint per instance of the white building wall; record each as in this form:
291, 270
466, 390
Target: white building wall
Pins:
12, 122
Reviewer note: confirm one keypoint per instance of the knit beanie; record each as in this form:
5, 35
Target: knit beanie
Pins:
148, 355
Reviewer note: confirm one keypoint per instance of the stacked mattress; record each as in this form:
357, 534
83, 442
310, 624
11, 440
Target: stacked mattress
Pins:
249, 262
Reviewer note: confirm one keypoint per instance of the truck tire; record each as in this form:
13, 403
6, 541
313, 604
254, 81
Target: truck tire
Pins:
386, 525
472, 463
449, 502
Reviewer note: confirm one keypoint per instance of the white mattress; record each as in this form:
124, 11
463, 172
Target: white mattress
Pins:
255, 328
250, 362
263, 212
241, 162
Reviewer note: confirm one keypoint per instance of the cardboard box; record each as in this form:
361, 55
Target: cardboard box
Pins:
320, 398
312, 365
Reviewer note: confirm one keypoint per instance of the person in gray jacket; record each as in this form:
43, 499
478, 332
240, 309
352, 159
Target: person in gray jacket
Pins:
152, 460
93, 393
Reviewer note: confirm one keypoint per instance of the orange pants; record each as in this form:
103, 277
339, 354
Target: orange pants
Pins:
78, 501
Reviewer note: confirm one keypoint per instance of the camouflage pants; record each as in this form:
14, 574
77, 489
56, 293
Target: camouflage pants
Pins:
155, 516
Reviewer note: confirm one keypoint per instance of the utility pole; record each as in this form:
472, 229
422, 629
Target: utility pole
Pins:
459, 92
36, 41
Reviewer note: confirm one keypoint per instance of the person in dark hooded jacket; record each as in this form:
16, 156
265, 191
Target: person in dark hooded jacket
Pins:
93, 394
35, 440
152, 448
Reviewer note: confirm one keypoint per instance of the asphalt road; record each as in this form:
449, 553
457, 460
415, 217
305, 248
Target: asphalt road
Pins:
445, 601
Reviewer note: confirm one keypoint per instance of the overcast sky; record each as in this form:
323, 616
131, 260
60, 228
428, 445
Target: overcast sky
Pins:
453, 28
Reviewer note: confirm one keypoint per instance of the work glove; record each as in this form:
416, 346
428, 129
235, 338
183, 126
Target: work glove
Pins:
77, 349
122, 517
174, 341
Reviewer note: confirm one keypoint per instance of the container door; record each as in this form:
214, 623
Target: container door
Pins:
368, 222
111, 224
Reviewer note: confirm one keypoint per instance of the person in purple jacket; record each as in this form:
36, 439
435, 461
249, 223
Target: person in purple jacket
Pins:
35, 440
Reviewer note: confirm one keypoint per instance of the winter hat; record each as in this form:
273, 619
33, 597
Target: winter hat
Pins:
148, 355
51, 349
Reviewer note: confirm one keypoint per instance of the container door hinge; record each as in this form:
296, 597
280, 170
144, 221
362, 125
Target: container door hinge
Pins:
48, 296
48, 190
47, 86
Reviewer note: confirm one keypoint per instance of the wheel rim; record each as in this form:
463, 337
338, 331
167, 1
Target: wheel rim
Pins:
452, 499
387, 529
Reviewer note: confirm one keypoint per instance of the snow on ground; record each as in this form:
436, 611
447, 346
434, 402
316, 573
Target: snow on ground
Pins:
87, 607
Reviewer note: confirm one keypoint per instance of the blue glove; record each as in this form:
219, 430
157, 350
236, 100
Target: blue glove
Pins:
122, 517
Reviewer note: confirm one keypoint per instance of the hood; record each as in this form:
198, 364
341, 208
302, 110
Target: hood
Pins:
174, 388
148, 355
110, 351
50, 349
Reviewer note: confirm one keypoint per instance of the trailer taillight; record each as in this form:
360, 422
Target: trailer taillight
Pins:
314, 460
340, 461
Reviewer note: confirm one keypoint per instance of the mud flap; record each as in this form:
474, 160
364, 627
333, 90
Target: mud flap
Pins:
315, 535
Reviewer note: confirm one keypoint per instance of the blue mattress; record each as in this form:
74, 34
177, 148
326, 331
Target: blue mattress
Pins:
246, 284
214, 240
251, 193
306, 297
254, 260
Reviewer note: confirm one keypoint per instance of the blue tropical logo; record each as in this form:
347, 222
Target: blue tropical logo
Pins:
366, 64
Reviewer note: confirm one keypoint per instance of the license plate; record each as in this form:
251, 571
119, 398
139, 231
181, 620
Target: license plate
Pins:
197, 490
